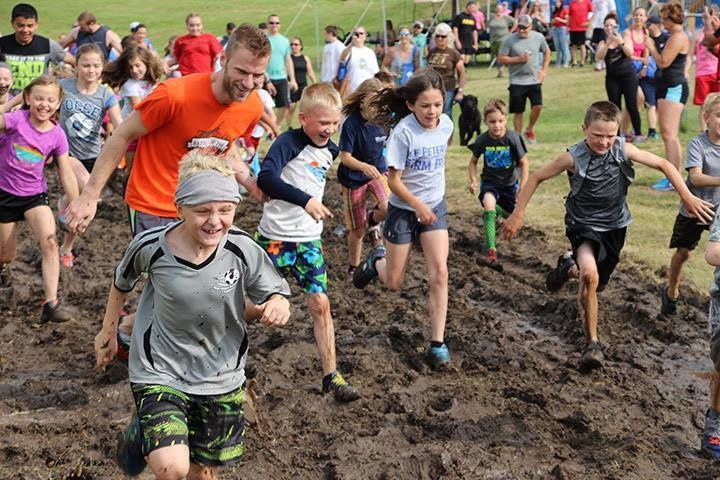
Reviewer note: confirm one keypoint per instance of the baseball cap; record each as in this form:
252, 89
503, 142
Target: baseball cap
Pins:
443, 29
134, 25
418, 23
653, 20
524, 20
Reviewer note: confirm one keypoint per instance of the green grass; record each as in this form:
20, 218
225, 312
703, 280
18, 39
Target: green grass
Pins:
566, 94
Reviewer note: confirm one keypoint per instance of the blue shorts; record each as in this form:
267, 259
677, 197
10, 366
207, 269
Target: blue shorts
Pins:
304, 260
504, 196
402, 226
647, 85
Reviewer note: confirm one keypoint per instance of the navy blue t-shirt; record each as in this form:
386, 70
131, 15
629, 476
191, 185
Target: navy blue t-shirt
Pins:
365, 142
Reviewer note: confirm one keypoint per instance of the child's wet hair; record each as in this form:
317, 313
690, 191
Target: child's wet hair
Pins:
391, 103
602, 111
495, 105
321, 95
41, 81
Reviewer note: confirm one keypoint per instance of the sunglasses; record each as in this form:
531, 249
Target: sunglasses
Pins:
294, 44
440, 36
358, 34
273, 23
404, 34
520, 27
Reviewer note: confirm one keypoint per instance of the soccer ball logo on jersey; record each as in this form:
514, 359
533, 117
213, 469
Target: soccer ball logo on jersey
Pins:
227, 281
209, 140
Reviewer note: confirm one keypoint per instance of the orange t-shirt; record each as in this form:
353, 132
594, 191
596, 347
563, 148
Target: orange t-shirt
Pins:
180, 115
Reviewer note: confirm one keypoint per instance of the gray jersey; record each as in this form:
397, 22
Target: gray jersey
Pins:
598, 188
420, 155
190, 331
705, 155
81, 116
514, 46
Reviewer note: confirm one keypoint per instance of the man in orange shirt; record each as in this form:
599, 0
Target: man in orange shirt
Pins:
210, 111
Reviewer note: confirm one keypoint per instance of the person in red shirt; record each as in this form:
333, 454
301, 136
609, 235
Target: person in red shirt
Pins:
195, 52
578, 21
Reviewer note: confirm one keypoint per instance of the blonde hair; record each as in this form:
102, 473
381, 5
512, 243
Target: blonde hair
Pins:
711, 101
321, 95
197, 161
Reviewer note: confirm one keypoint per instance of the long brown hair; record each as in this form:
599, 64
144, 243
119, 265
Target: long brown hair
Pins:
118, 72
390, 104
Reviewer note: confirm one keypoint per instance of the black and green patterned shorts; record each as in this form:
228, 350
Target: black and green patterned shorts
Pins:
210, 425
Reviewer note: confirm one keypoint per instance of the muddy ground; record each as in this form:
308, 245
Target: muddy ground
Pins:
513, 405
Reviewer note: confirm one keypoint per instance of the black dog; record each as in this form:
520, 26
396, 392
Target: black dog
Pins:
469, 118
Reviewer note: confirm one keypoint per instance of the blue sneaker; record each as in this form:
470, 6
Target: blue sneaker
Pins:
366, 271
438, 356
129, 449
710, 445
663, 185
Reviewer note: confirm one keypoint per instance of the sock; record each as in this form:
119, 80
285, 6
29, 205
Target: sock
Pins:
434, 344
500, 212
489, 217
651, 132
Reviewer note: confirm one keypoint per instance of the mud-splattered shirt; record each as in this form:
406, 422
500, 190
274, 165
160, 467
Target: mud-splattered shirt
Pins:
190, 331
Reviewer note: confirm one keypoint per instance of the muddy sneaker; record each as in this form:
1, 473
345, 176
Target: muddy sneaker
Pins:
668, 305
710, 445
592, 357
341, 390
129, 449
559, 275
438, 356
52, 311
366, 271
491, 256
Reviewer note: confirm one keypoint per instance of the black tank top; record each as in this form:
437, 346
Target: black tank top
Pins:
98, 37
674, 73
300, 69
617, 62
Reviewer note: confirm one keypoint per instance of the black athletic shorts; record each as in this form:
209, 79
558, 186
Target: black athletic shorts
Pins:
687, 232
520, 93
598, 35
578, 38
13, 207
606, 246
282, 97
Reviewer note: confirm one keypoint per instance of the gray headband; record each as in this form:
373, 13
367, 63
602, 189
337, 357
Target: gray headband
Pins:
207, 186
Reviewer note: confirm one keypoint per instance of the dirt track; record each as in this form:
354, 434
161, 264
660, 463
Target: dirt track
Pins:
512, 406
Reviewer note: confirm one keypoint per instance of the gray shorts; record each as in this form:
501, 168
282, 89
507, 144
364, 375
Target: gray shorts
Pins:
402, 226
139, 221
714, 327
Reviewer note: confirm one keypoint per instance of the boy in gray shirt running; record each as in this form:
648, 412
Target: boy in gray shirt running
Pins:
189, 344
703, 167
600, 170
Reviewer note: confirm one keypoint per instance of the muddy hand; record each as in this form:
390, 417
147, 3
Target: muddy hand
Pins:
510, 227
105, 349
80, 213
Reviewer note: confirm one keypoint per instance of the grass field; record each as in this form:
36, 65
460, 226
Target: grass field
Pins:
566, 94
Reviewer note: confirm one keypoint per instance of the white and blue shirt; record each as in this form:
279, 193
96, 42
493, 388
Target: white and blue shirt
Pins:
293, 171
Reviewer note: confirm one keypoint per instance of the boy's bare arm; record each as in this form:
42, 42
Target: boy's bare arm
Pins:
562, 163
67, 177
106, 339
701, 180
696, 207
472, 174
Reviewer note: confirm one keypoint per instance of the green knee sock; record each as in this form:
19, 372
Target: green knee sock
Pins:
489, 217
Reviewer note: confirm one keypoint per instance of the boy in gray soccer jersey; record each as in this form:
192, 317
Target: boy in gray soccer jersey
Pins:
600, 170
189, 343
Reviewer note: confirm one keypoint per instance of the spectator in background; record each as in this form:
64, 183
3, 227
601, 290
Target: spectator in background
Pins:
303, 71
706, 70
170, 71
560, 34
229, 27
420, 40
403, 59
448, 62
500, 26
196, 51
331, 55
601, 9
280, 70
391, 39
138, 33
28, 54
89, 31
361, 61
465, 31
578, 14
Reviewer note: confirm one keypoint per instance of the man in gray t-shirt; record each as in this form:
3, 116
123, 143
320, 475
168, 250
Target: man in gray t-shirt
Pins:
703, 166
523, 51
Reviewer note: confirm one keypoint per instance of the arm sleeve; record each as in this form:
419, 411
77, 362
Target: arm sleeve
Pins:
57, 54
261, 277
694, 157
133, 264
397, 149
157, 109
477, 147
269, 180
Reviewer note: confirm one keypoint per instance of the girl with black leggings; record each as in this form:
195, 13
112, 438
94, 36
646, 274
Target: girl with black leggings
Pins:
620, 77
